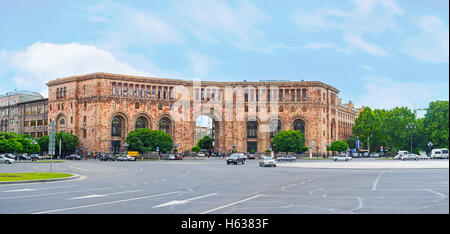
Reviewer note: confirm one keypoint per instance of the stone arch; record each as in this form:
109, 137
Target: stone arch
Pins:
61, 123
142, 118
295, 124
218, 127
166, 122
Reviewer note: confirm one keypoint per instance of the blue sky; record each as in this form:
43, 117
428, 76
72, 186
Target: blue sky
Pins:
378, 53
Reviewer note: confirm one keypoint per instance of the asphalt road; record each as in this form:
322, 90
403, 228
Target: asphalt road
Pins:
212, 187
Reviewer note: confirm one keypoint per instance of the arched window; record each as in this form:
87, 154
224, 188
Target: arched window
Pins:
275, 128
299, 125
116, 130
140, 123
252, 129
164, 125
333, 127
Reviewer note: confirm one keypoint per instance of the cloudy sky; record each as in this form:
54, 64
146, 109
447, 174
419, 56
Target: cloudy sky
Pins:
378, 53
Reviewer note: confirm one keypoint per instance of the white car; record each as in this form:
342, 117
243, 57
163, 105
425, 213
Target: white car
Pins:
400, 154
267, 161
422, 155
201, 154
6, 160
126, 158
342, 157
409, 157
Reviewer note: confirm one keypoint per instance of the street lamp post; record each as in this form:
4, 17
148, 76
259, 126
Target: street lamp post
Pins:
430, 144
410, 126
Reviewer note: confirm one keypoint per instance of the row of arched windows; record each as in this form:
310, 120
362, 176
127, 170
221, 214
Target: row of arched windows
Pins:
117, 125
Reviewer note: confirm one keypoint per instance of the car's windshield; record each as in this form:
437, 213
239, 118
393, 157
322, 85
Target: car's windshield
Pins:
437, 152
267, 158
234, 155
445, 151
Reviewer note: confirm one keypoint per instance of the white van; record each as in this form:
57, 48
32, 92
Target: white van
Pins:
439, 153
444, 152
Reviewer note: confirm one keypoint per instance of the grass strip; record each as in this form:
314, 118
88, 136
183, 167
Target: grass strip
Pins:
32, 176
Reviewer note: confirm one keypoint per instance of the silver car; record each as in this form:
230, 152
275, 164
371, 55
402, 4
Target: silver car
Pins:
342, 157
6, 160
267, 161
409, 157
125, 158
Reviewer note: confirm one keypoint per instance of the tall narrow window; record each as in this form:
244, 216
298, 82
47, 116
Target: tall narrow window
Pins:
116, 130
252, 129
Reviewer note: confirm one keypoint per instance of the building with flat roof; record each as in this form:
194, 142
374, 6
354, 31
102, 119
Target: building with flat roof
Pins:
102, 108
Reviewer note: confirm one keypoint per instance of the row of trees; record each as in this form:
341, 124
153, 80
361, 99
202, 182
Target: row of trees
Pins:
11, 142
389, 128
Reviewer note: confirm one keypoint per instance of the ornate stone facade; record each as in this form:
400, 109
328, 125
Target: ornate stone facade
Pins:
101, 109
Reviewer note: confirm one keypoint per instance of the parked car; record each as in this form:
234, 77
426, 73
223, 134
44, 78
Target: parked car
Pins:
73, 157
170, 157
36, 157
267, 161
106, 157
24, 157
11, 156
342, 157
179, 157
200, 154
125, 158
289, 158
409, 157
422, 155
4, 159
251, 156
235, 159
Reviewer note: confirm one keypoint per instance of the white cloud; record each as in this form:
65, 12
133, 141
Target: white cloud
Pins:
367, 67
385, 93
218, 22
41, 62
366, 17
357, 42
200, 64
432, 44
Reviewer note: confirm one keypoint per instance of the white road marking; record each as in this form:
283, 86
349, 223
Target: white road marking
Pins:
32, 189
178, 202
50, 194
374, 187
231, 204
105, 203
102, 195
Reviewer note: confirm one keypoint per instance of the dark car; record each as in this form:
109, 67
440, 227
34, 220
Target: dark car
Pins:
289, 158
107, 158
235, 159
73, 157
179, 157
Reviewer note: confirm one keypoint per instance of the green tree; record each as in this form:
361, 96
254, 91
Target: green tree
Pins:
339, 146
205, 142
69, 143
288, 141
43, 143
196, 149
28, 146
436, 123
12, 145
366, 125
146, 140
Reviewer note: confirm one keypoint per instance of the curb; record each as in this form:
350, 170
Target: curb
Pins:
75, 176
